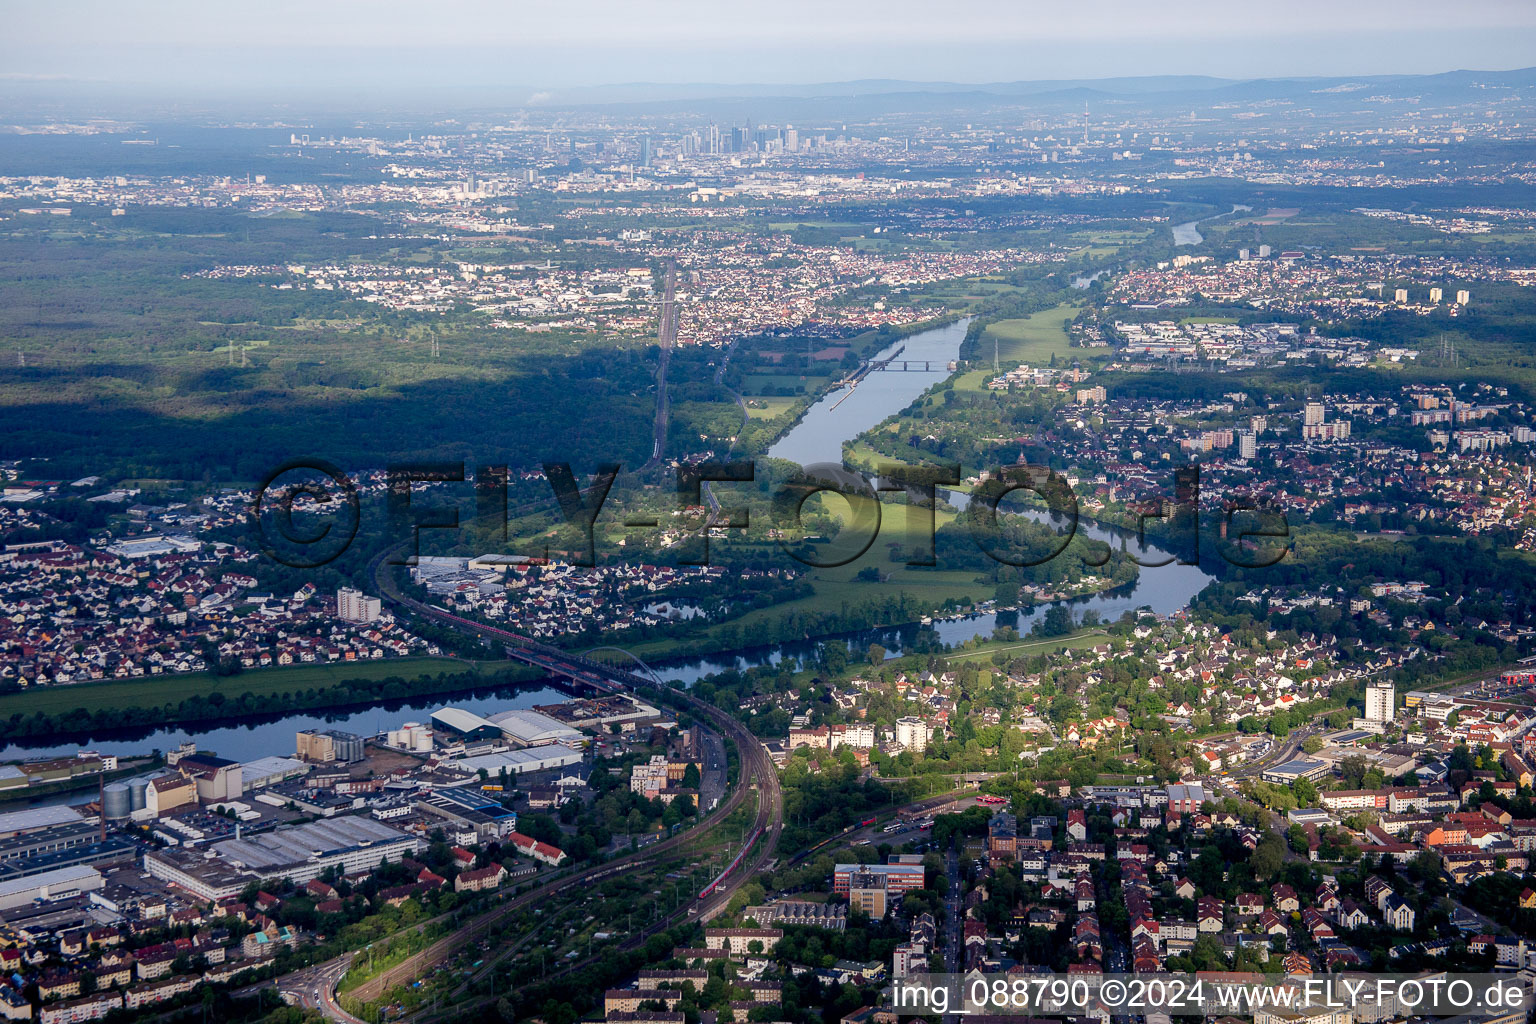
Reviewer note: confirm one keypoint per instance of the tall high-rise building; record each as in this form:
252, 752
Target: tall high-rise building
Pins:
1264, 252
1435, 295
1380, 698
1247, 444
1313, 414
1258, 424
645, 151
1463, 297
912, 733
355, 606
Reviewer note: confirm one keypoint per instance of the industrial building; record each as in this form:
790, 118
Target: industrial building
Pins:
412, 736
299, 854
534, 729
197, 872
50, 886
269, 771
518, 762
330, 745
35, 819
469, 811
168, 793
49, 840
456, 723
1296, 768
624, 709
96, 854
217, 780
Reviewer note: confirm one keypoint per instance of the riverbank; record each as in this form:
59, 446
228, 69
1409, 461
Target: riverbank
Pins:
818, 431
129, 705
128, 768
761, 433
158, 691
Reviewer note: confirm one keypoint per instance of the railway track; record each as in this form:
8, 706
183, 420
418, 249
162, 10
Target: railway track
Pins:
756, 769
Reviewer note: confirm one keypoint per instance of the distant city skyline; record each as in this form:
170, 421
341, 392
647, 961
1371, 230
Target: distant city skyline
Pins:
465, 49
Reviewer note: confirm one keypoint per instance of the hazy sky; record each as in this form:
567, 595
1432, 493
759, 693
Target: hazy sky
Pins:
286, 49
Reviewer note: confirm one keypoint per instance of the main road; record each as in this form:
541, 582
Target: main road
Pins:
667, 337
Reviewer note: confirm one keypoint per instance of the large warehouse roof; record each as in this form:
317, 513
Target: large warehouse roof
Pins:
19, 891
34, 818
296, 845
532, 728
516, 761
254, 773
462, 722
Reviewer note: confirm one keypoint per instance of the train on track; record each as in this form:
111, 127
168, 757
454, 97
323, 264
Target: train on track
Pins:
746, 848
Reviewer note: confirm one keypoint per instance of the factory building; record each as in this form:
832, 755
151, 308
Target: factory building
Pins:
458, 724
329, 745
269, 771
216, 779
169, 793
97, 854
533, 729
299, 854
35, 819
518, 762
472, 816
412, 736
50, 886
49, 840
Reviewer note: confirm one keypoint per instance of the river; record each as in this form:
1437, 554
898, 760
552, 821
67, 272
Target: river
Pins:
1188, 233
843, 415
266, 735
817, 438
1160, 589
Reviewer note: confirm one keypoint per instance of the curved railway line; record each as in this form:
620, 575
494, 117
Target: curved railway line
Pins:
756, 771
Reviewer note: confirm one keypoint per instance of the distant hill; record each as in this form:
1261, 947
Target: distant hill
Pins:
867, 96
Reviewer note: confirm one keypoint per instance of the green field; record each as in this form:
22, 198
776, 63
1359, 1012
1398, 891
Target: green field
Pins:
162, 690
1029, 648
1032, 339
754, 383
772, 407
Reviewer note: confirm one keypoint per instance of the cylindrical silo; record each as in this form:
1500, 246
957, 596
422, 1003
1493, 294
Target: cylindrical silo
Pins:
117, 801
136, 790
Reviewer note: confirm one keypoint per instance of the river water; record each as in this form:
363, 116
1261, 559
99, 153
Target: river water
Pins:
1188, 233
818, 438
266, 735
1160, 589
843, 415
